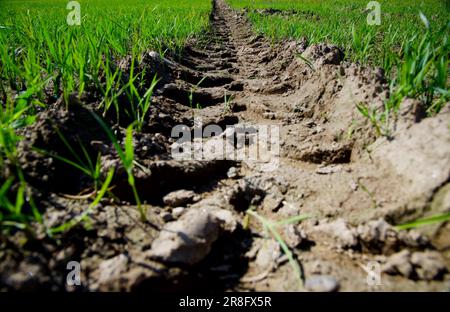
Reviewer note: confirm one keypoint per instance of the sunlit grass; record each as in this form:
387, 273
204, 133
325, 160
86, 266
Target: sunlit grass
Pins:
43, 59
410, 44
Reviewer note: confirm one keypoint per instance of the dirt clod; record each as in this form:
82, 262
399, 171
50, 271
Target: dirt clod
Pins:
179, 198
344, 235
321, 283
427, 265
187, 240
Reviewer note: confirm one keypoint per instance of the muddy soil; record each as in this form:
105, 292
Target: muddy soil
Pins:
332, 166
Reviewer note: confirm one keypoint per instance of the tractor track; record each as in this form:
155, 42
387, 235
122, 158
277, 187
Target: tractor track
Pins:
353, 184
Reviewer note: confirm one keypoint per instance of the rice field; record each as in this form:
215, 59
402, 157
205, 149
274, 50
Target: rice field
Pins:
91, 92
409, 39
344, 23
43, 58
40, 50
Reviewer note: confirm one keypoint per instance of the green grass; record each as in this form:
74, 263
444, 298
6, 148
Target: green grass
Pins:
411, 43
43, 59
439, 218
126, 156
39, 50
344, 23
83, 216
82, 162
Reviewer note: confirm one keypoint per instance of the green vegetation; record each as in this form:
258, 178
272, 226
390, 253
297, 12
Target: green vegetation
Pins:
425, 221
126, 156
82, 217
82, 163
43, 59
344, 23
38, 49
410, 44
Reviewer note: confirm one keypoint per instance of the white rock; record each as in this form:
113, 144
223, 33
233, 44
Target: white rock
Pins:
321, 283
177, 212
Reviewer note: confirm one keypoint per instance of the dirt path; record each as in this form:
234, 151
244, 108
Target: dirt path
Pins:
326, 169
330, 166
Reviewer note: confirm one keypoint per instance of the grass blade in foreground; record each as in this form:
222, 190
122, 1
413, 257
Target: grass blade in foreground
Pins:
271, 227
98, 198
425, 221
127, 158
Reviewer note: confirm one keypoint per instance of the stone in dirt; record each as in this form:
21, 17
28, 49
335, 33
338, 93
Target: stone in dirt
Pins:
273, 200
399, 264
378, 235
228, 221
294, 236
177, 212
179, 198
269, 252
232, 173
189, 239
321, 283
166, 216
338, 230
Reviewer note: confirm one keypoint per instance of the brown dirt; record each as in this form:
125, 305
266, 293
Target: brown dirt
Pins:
354, 184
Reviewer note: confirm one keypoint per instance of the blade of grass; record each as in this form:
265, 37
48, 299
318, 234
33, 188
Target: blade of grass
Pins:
68, 225
425, 221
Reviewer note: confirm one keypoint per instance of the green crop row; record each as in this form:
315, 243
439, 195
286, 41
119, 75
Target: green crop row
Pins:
38, 49
410, 43
43, 58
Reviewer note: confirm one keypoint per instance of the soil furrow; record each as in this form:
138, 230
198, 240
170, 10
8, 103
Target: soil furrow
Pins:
329, 164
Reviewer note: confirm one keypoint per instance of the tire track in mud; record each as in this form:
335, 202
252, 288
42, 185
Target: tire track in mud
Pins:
320, 172
196, 236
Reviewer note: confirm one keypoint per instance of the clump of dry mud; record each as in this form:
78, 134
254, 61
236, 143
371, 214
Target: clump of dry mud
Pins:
332, 166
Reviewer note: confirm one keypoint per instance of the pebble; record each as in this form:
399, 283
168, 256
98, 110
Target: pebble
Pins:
340, 231
232, 173
399, 263
166, 216
111, 269
272, 201
187, 240
321, 283
429, 265
179, 198
177, 212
